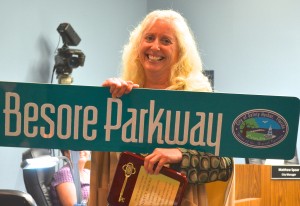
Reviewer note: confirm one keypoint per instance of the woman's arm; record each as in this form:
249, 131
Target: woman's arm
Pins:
66, 193
63, 184
202, 167
199, 167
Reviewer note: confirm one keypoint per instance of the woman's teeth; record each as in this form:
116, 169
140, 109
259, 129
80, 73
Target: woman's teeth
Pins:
154, 58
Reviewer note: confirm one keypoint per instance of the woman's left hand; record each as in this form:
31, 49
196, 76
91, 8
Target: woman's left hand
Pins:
119, 87
161, 156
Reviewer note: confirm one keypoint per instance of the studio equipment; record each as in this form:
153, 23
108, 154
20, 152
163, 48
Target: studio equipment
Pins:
66, 58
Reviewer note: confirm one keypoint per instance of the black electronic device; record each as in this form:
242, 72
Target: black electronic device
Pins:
67, 59
68, 34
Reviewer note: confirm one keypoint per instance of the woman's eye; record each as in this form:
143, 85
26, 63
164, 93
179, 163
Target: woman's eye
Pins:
166, 41
149, 38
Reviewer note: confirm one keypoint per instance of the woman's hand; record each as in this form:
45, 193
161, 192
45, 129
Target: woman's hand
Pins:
161, 156
118, 87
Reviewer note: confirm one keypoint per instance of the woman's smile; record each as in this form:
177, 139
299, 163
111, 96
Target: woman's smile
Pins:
153, 58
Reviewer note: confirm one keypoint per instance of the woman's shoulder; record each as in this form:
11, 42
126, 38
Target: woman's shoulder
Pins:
198, 82
64, 170
63, 175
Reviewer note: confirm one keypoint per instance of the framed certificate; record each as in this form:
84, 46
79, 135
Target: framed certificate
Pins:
132, 186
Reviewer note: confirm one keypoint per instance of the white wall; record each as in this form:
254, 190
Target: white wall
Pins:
252, 45
28, 40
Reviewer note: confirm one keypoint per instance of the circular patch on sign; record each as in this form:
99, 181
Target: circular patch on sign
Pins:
260, 128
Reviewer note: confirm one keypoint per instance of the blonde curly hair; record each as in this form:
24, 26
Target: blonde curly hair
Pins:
187, 73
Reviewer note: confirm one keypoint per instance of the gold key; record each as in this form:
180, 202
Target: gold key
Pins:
128, 170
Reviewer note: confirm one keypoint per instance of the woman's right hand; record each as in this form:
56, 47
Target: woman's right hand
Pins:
118, 86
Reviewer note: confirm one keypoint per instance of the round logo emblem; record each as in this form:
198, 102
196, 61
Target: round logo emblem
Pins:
260, 128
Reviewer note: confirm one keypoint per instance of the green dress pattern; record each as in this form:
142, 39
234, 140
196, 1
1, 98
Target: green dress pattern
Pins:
202, 167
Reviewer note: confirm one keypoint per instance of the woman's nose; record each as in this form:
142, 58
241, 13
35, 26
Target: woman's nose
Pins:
155, 45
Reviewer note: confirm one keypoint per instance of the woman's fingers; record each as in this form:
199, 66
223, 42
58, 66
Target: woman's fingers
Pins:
149, 162
154, 161
160, 164
160, 157
130, 86
119, 87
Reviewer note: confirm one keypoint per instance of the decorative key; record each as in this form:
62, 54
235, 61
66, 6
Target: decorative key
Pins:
128, 170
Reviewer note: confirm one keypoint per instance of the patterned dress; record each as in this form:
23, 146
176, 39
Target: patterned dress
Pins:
64, 175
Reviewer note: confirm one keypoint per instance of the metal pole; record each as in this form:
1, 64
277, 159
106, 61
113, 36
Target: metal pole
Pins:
67, 79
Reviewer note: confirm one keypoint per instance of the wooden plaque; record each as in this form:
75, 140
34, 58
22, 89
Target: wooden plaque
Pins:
133, 186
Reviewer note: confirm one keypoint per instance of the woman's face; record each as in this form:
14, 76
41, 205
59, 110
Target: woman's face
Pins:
158, 49
84, 155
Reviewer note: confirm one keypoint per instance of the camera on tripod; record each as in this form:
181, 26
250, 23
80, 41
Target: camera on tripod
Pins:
68, 59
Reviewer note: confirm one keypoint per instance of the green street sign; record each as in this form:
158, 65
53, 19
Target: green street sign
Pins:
87, 118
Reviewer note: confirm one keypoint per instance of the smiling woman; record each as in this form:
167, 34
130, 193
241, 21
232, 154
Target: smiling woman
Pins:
172, 35
162, 54
158, 52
